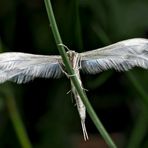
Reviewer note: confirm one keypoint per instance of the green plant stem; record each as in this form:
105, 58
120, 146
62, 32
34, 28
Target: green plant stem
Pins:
138, 86
140, 127
70, 71
78, 31
17, 122
103, 77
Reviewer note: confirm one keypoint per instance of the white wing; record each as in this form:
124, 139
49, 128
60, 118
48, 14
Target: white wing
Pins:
22, 67
121, 56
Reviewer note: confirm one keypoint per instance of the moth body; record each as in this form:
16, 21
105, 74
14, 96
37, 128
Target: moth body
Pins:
75, 62
121, 56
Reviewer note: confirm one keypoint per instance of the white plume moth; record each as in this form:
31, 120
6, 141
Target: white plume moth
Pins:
122, 56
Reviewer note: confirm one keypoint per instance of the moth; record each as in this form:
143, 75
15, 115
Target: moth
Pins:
121, 56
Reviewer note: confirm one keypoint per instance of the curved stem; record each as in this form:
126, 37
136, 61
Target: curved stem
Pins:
138, 86
141, 123
17, 121
78, 31
62, 51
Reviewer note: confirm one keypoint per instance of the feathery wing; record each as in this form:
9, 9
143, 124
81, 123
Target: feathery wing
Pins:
121, 56
22, 67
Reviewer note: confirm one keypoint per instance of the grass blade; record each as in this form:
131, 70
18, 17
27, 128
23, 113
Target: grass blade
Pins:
62, 51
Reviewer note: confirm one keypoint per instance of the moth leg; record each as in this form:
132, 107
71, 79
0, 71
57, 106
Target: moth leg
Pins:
84, 89
67, 75
68, 92
64, 46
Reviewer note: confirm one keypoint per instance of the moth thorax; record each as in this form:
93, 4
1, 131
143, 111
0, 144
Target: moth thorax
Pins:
74, 58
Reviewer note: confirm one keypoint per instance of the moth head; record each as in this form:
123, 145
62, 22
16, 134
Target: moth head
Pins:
71, 54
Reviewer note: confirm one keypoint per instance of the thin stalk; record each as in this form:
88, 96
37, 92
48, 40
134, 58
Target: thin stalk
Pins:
78, 32
138, 86
17, 121
101, 79
62, 51
140, 127
101, 34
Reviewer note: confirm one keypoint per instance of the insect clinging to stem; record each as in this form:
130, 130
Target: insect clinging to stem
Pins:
121, 56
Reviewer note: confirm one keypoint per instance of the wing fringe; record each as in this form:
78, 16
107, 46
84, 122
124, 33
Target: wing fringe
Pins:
22, 68
120, 56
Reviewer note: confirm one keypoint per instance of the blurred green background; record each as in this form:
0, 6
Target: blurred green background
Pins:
47, 112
